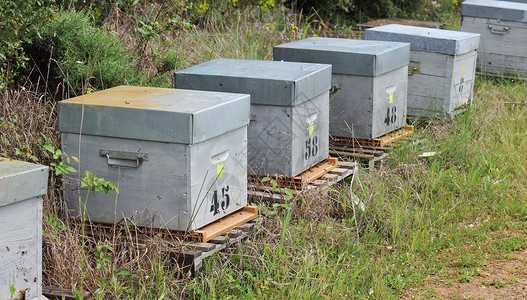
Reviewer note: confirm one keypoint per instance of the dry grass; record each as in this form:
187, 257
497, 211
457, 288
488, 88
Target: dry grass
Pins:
413, 206
28, 121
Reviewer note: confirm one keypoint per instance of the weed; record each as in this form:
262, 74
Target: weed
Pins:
512, 244
12, 290
498, 283
286, 218
104, 261
59, 165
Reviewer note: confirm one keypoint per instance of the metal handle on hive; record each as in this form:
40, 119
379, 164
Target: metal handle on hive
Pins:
123, 158
502, 30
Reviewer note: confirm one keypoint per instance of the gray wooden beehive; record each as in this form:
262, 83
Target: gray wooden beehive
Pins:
289, 128
441, 70
503, 29
520, 1
22, 186
178, 156
369, 82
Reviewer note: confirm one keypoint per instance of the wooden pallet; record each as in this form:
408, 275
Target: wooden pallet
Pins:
188, 254
367, 154
57, 293
190, 257
382, 141
203, 234
303, 179
227, 223
257, 191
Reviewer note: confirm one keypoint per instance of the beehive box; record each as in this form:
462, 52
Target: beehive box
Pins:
520, 1
441, 70
21, 188
178, 157
289, 127
503, 29
369, 82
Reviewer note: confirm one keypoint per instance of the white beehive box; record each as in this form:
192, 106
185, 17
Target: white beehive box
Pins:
22, 186
178, 157
289, 129
369, 82
441, 70
503, 29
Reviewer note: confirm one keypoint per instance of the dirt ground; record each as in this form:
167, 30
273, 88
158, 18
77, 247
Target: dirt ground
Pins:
497, 280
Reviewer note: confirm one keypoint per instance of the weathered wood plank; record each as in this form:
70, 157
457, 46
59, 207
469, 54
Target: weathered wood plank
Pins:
462, 80
201, 246
247, 227
234, 233
432, 64
21, 248
353, 154
57, 293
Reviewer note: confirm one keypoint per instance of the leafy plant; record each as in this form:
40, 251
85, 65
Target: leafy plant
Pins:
18, 20
96, 184
93, 184
12, 290
60, 166
289, 195
56, 224
105, 262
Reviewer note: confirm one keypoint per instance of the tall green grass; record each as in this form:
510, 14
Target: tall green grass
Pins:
435, 219
425, 220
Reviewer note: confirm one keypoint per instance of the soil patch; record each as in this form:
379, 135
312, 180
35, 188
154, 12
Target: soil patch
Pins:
497, 280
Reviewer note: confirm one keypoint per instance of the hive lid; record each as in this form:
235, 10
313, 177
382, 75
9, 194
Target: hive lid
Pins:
503, 10
21, 180
351, 57
155, 114
268, 82
426, 39
521, 1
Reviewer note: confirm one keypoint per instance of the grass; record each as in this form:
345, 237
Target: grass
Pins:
426, 220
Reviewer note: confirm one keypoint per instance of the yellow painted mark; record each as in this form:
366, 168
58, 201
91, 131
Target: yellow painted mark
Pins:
311, 128
219, 170
391, 98
463, 69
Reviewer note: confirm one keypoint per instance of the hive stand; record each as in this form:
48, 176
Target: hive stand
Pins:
190, 257
258, 191
369, 155
368, 151
203, 234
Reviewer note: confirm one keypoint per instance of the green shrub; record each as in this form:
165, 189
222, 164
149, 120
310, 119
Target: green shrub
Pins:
18, 18
357, 11
390, 8
83, 56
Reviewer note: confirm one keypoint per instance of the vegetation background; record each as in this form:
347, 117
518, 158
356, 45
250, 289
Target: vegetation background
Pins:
425, 224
